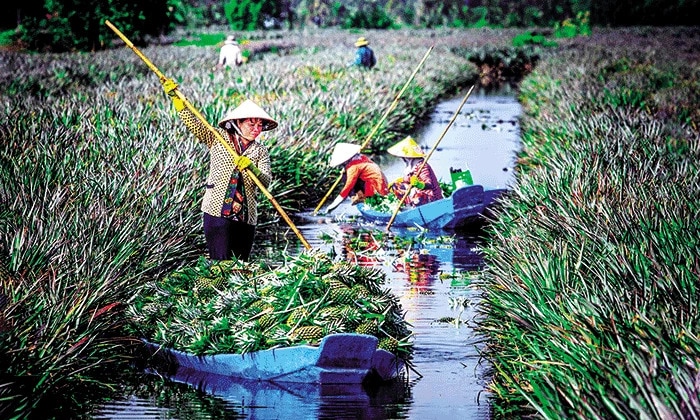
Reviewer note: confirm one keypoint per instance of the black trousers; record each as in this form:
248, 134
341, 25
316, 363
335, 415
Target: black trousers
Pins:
228, 238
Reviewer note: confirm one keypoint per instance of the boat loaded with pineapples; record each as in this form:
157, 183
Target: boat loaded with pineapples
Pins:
464, 206
311, 319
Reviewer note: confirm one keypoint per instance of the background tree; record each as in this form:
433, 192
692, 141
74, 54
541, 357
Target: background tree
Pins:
65, 25
249, 15
62, 25
647, 12
16, 10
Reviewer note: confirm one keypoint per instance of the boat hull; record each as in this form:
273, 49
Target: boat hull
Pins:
465, 207
339, 359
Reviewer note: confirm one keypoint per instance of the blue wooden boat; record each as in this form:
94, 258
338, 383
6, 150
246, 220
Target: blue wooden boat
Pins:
345, 358
465, 207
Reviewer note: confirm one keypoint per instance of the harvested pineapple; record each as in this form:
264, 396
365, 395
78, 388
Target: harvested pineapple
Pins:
240, 307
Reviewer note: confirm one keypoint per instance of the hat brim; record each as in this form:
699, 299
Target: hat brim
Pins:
249, 109
343, 152
406, 148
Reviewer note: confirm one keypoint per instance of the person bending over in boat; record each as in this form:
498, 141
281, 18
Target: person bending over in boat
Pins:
363, 178
230, 203
423, 186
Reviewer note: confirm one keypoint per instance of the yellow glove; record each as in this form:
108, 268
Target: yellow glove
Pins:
243, 162
170, 87
417, 183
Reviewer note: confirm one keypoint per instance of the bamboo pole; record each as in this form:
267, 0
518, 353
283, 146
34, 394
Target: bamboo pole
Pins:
218, 135
379, 123
425, 160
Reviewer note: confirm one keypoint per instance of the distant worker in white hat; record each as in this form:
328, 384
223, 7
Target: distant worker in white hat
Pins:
230, 203
423, 185
230, 54
364, 56
362, 176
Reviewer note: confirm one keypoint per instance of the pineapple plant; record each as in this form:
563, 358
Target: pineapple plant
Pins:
360, 292
352, 317
369, 327
343, 295
297, 316
266, 321
389, 344
308, 333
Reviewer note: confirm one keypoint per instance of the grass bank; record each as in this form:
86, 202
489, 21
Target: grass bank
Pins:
592, 298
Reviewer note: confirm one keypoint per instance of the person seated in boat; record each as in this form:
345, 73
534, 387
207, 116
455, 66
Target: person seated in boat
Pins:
418, 179
363, 178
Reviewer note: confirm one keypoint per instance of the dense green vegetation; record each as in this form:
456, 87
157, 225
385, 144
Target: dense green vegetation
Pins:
592, 281
67, 25
591, 295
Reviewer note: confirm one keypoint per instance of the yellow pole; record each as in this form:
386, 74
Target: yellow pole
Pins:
228, 147
425, 160
376, 126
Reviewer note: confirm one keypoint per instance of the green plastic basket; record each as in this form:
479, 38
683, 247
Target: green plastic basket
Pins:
461, 178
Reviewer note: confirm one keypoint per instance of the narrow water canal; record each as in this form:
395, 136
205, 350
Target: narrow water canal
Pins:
432, 279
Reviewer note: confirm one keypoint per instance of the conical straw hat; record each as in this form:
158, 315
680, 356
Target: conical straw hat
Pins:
361, 41
407, 148
343, 152
249, 109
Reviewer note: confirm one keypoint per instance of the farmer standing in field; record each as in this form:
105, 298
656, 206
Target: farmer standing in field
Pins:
230, 196
423, 185
230, 54
363, 177
364, 56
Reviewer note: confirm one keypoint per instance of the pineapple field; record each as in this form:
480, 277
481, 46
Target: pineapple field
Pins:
589, 293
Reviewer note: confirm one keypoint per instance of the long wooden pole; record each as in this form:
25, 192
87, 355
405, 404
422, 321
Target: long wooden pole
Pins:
379, 123
218, 135
425, 160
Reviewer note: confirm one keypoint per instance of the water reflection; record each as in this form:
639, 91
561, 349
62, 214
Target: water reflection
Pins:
430, 273
258, 399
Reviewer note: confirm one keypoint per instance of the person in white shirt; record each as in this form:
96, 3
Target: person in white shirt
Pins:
230, 54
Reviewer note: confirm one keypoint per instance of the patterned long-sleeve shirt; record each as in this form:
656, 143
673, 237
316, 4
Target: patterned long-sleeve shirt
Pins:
221, 167
430, 192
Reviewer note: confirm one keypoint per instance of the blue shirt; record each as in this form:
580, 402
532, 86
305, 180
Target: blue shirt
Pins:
365, 57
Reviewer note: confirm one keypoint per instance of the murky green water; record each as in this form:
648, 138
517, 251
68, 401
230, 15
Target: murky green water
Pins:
432, 279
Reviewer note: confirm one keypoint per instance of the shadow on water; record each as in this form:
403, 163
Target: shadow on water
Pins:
430, 273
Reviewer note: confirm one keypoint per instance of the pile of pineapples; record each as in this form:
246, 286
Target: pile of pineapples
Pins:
239, 307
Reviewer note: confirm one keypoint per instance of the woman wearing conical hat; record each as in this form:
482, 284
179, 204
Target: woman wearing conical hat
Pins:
362, 176
423, 185
230, 195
